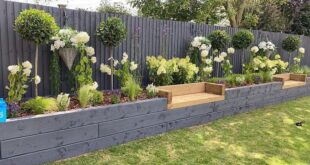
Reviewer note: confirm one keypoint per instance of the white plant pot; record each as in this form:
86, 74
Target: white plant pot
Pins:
68, 56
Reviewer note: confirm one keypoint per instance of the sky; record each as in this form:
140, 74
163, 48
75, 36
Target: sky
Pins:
73, 4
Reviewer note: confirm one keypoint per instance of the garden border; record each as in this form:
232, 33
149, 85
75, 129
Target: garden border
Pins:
50, 137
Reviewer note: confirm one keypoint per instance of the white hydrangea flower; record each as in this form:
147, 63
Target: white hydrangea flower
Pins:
13, 69
90, 51
27, 72
115, 63
27, 65
297, 59
93, 60
218, 59
37, 79
161, 70
133, 66
231, 50
208, 69
302, 50
95, 85
208, 61
105, 69
223, 55
125, 58
254, 49
203, 47
262, 45
196, 43
80, 38
52, 48
204, 53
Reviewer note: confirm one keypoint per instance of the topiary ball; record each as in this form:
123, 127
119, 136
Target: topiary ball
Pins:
36, 26
291, 43
219, 39
242, 39
111, 32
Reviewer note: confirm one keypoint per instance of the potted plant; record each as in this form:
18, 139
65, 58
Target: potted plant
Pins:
111, 33
36, 26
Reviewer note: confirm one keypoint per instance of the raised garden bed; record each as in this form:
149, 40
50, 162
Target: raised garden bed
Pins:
49, 137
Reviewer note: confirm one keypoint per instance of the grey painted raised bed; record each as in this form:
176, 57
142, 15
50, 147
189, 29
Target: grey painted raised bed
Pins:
44, 138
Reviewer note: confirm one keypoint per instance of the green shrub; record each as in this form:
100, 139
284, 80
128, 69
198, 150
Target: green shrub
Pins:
97, 97
219, 39
131, 89
63, 101
36, 26
115, 99
111, 32
40, 105
291, 43
306, 70
242, 39
88, 95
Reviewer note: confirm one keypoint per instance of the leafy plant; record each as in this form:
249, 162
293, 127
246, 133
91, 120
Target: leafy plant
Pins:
131, 89
63, 101
54, 74
219, 39
18, 79
36, 26
115, 99
242, 39
40, 105
83, 70
88, 95
291, 43
151, 90
111, 33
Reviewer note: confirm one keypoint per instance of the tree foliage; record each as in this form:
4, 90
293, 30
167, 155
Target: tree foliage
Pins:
115, 8
291, 43
111, 32
242, 39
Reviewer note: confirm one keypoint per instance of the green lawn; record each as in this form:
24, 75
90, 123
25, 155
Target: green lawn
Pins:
265, 136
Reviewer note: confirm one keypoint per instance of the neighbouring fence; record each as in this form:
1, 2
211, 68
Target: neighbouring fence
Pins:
145, 37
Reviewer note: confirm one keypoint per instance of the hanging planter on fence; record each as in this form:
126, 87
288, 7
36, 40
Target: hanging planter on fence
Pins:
68, 56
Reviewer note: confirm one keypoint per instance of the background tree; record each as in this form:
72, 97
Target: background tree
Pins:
115, 8
36, 26
301, 24
111, 33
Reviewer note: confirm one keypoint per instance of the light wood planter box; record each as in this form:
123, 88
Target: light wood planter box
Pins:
290, 80
185, 95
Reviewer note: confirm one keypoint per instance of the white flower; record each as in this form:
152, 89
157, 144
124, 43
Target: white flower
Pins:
203, 47
223, 55
297, 59
27, 72
133, 66
115, 63
37, 79
125, 58
204, 53
90, 51
208, 69
161, 70
27, 65
95, 85
93, 60
302, 50
13, 69
105, 69
152, 88
262, 45
80, 38
231, 50
52, 48
254, 49
218, 59
196, 44
208, 61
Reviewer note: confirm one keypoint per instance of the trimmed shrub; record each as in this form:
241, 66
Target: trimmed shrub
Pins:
219, 39
291, 43
242, 39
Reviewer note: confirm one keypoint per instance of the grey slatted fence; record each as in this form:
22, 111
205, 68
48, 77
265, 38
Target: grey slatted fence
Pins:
145, 37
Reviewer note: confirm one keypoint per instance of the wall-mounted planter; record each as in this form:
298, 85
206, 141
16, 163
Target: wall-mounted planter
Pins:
44, 138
